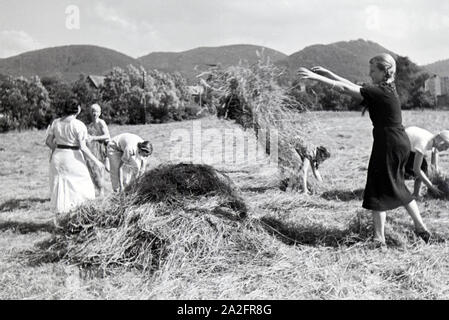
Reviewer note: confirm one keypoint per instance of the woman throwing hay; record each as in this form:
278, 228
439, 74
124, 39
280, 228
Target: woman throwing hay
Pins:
129, 151
70, 182
422, 142
385, 186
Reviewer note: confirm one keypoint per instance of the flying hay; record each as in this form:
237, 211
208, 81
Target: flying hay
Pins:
252, 96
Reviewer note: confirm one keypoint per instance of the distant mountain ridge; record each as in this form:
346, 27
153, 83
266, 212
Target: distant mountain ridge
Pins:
346, 58
191, 62
65, 62
440, 68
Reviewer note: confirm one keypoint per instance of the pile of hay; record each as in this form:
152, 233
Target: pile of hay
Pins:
174, 214
441, 181
265, 106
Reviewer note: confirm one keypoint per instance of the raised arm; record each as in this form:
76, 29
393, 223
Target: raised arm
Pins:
329, 74
341, 86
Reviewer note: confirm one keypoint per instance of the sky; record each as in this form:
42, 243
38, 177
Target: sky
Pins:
418, 29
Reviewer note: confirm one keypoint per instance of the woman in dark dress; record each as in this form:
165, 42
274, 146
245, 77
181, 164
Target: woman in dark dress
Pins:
385, 186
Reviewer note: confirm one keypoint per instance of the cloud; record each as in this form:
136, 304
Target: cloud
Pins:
410, 27
110, 15
119, 20
15, 42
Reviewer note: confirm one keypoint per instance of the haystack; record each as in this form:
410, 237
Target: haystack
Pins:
174, 214
266, 107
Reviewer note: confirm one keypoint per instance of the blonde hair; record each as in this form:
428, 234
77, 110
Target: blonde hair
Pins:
385, 62
444, 135
95, 107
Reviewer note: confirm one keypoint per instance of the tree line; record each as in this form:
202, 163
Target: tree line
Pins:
127, 96
137, 96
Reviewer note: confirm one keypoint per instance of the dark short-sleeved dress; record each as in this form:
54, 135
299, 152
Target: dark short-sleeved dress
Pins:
385, 186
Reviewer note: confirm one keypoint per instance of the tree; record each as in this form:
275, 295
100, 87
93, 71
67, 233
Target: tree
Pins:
116, 85
23, 103
410, 80
58, 92
86, 95
39, 105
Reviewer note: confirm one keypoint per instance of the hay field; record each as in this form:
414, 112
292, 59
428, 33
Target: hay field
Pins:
319, 239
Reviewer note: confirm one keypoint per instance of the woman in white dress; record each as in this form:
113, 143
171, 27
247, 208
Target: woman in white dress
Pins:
70, 182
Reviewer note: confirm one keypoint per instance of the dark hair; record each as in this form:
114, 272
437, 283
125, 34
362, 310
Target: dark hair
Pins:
145, 146
70, 107
321, 155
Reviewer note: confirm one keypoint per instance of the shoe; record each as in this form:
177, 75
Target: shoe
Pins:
424, 234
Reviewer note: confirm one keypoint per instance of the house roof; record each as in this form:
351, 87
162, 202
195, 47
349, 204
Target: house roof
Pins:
97, 81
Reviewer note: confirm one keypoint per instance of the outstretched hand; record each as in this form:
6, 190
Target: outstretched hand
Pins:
320, 70
304, 73
436, 191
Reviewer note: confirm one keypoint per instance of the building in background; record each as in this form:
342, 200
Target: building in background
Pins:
96, 81
438, 87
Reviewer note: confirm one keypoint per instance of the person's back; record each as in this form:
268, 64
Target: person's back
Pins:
68, 132
384, 105
421, 140
125, 141
123, 150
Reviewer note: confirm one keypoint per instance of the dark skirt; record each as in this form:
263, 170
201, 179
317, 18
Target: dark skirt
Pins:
409, 172
385, 186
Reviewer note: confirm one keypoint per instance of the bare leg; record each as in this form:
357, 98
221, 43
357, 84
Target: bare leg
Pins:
115, 162
379, 218
416, 187
106, 164
305, 171
413, 211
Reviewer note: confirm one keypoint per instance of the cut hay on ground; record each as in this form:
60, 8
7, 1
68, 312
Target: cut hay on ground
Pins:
265, 106
174, 214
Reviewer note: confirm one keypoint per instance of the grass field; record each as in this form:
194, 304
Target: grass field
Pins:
312, 260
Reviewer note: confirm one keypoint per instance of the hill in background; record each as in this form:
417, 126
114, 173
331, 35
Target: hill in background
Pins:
440, 68
190, 63
66, 62
346, 58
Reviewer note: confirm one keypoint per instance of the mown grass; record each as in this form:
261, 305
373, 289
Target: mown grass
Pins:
317, 243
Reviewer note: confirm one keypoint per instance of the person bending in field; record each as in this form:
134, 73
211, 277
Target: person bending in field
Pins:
385, 185
309, 161
422, 142
97, 141
127, 151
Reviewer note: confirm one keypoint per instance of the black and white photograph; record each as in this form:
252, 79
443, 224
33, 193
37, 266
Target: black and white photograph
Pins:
239, 152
